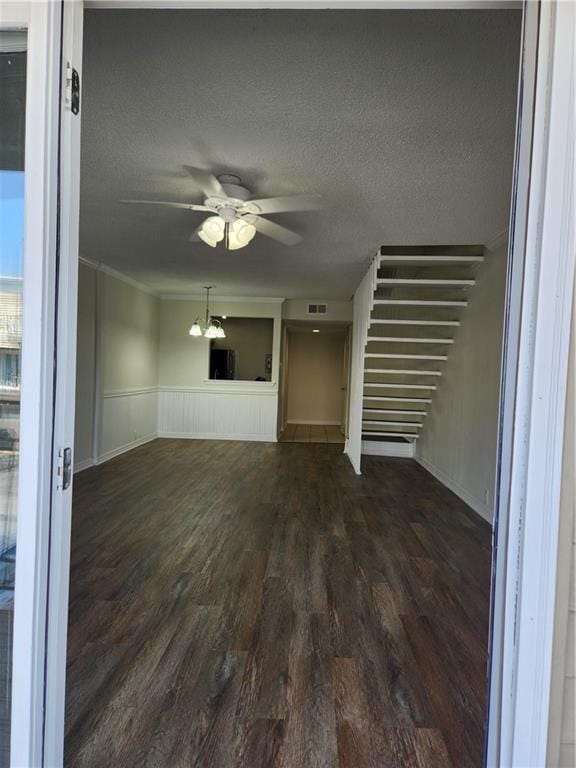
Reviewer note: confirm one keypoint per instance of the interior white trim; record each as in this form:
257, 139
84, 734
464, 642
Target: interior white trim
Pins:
476, 504
80, 466
252, 437
111, 454
101, 267
247, 389
124, 392
216, 297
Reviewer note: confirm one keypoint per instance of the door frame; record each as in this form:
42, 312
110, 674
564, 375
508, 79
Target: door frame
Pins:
534, 383
537, 330
42, 21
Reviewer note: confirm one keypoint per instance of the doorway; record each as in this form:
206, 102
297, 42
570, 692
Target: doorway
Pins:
316, 369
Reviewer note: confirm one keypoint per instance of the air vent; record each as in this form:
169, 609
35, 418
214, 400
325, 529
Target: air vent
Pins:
317, 309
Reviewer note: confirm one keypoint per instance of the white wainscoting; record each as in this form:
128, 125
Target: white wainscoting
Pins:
212, 413
129, 419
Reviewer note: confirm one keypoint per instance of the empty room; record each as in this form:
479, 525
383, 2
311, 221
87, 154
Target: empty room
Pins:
291, 300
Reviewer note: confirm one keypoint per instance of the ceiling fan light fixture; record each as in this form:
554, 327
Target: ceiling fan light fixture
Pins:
240, 233
212, 231
207, 239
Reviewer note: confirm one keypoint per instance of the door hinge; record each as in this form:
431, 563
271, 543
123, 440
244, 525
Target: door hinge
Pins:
64, 469
72, 89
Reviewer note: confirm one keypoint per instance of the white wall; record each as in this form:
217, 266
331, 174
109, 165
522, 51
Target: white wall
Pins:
363, 302
459, 439
190, 405
117, 373
315, 377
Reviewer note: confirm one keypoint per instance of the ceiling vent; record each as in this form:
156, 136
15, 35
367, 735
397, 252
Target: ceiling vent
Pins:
317, 309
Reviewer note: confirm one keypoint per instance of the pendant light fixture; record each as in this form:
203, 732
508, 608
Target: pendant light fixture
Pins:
210, 328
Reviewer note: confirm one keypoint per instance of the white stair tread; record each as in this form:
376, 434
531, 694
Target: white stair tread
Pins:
383, 423
402, 371
399, 356
431, 260
422, 281
396, 321
391, 412
414, 435
387, 385
397, 398
410, 340
422, 302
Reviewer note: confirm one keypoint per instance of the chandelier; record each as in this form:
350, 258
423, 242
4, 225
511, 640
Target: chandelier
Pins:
210, 328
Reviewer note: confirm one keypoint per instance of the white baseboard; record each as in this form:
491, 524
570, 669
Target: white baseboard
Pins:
125, 448
401, 450
315, 422
478, 506
80, 466
253, 438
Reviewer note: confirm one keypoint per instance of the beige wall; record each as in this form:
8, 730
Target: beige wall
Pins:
129, 336
562, 730
315, 377
459, 438
85, 365
117, 370
338, 310
184, 360
251, 338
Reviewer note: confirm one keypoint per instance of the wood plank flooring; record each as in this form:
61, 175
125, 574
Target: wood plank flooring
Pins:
312, 433
257, 605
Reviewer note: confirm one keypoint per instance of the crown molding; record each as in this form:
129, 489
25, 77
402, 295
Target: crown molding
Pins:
228, 299
111, 272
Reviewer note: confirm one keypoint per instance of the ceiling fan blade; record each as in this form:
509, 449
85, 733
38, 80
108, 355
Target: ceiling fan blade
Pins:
275, 231
189, 206
285, 204
206, 181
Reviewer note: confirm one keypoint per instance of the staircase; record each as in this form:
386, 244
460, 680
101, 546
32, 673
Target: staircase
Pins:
420, 294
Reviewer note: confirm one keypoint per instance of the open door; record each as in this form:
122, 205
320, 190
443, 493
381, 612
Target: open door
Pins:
39, 158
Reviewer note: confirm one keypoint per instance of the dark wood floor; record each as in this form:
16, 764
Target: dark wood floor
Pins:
257, 605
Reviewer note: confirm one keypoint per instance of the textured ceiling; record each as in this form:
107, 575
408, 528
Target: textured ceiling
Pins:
402, 120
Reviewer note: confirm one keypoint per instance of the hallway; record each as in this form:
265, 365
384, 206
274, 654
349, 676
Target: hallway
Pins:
257, 605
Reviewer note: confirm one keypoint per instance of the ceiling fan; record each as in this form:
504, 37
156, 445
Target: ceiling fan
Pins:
236, 218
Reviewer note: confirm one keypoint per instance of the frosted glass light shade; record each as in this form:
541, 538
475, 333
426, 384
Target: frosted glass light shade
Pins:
211, 332
195, 330
212, 231
240, 233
